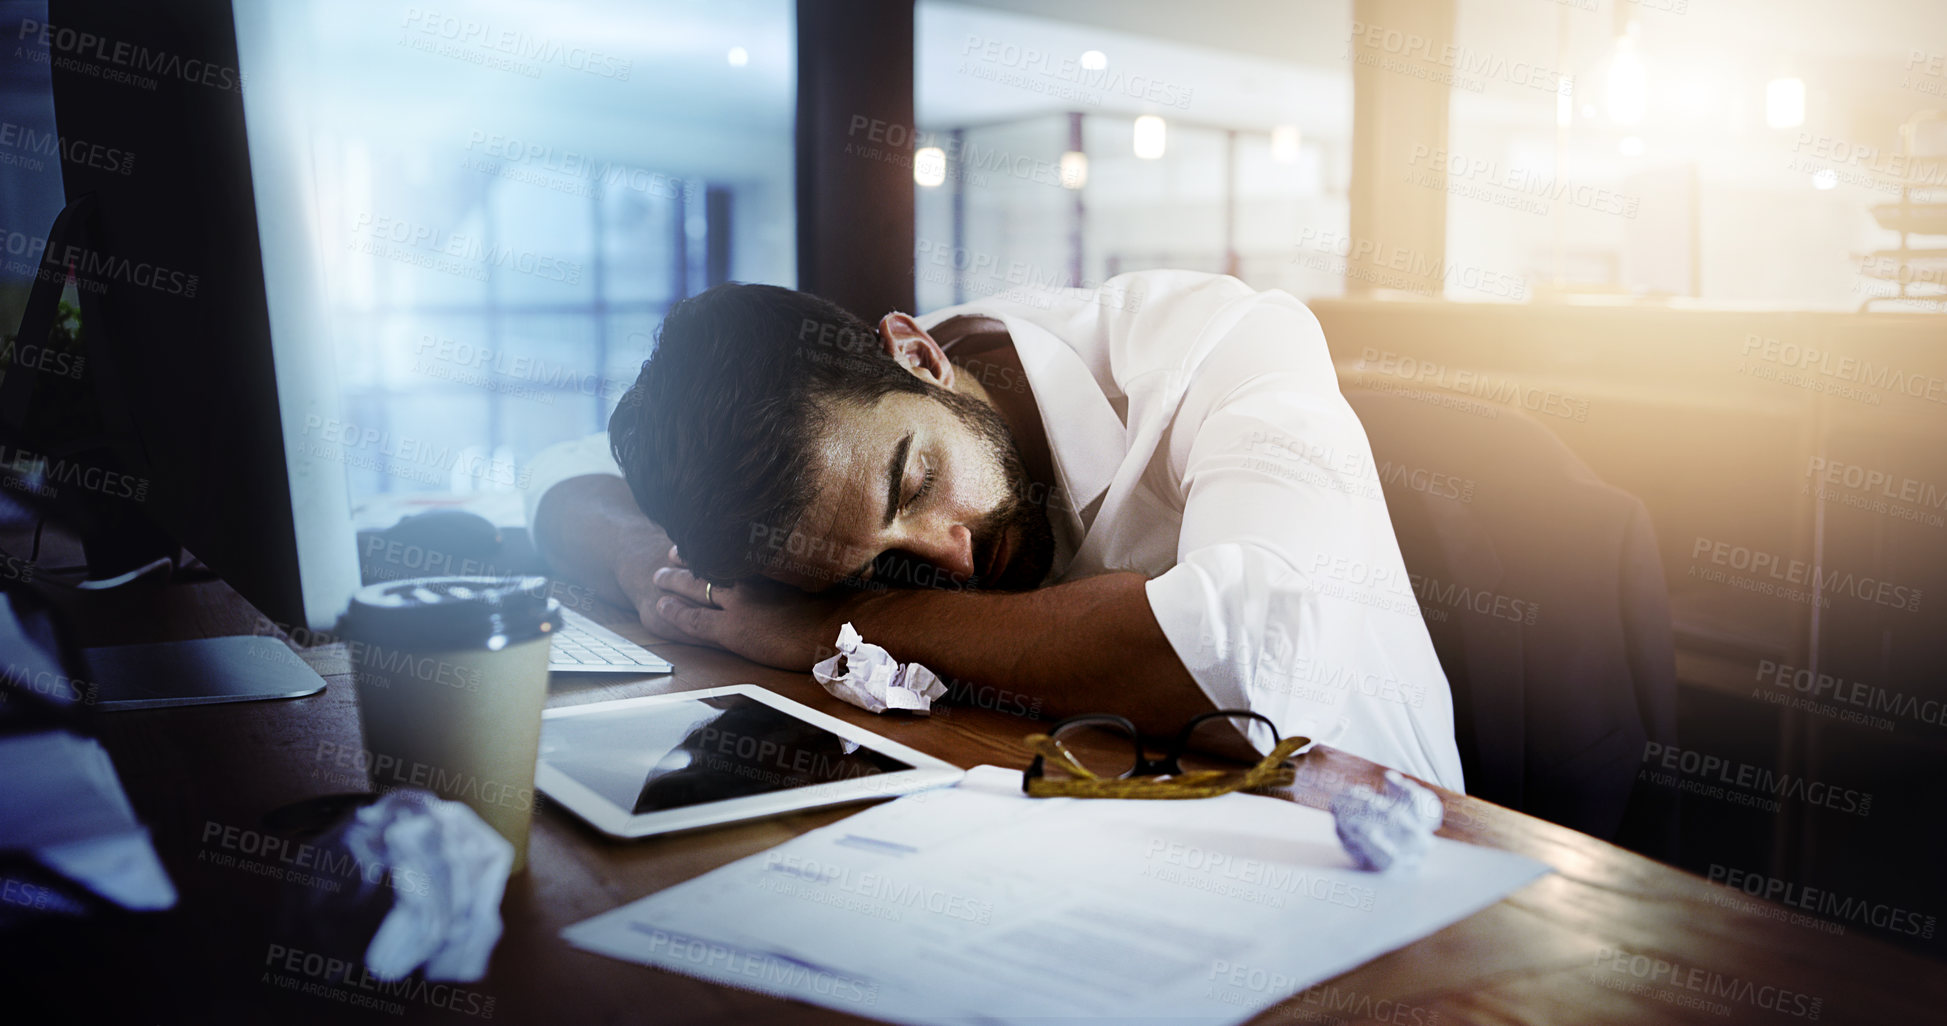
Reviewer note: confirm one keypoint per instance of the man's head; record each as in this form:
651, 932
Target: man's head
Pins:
775, 433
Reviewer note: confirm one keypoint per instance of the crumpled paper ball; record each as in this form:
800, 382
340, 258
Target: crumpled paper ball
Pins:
869, 677
429, 871
1383, 829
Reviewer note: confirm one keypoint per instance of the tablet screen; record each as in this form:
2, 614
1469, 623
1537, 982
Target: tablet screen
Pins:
671, 755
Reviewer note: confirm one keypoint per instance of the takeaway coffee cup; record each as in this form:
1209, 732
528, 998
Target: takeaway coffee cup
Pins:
451, 674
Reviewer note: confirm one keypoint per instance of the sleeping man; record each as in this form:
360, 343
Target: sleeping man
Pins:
1147, 499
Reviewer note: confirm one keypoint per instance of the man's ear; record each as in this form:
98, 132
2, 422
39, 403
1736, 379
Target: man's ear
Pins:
908, 343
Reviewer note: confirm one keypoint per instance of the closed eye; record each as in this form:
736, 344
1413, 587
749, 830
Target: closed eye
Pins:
925, 485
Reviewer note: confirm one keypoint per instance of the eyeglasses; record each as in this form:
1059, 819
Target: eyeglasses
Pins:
1100, 755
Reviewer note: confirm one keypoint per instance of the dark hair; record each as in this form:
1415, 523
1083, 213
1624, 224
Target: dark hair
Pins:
715, 435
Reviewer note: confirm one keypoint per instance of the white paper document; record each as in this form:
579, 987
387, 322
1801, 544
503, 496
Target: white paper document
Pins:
60, 798
976, 903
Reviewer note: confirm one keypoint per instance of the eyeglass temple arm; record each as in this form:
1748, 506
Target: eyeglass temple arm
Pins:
1183, 737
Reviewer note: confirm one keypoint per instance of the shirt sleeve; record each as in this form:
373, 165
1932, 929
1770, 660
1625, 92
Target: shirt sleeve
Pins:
1289, 596
563, 460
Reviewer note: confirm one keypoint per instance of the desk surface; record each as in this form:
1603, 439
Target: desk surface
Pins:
1548, 954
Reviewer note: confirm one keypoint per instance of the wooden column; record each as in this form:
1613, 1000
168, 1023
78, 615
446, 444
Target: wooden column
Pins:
1399, 102
855, 145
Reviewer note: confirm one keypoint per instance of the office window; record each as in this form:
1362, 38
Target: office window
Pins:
509, 198
30, 162
1070, 152
1629, 151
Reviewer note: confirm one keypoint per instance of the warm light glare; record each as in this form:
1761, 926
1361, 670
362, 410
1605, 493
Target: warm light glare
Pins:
1074, 169
1285, 141
1784, 102
1826, 179
1630, 146
1094, 60
1564, 108
929, 166
738, 57
1151, 135
1628, 91
1691, 97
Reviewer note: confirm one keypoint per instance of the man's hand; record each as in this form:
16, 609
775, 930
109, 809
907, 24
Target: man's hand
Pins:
761, 620
593, 534
1084, 646
635, 574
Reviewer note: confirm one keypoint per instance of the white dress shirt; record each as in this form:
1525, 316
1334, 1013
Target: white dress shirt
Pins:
1200, 439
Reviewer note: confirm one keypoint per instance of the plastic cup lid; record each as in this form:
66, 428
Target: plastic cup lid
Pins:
430, 614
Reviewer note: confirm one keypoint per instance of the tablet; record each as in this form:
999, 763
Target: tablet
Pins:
644, 766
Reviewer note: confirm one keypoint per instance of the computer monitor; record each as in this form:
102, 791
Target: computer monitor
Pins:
196, 257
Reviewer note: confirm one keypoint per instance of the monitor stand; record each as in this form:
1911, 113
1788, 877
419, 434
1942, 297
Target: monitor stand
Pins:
206, 671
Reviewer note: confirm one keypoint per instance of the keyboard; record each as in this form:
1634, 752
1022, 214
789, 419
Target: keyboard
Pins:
584, 646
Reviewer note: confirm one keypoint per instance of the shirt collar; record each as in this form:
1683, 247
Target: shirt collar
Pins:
1086, 437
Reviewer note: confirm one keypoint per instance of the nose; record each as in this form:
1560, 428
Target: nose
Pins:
952, 552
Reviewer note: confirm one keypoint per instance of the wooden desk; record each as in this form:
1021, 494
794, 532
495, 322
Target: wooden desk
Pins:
1546, 955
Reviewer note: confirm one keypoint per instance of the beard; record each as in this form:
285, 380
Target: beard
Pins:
1032, 552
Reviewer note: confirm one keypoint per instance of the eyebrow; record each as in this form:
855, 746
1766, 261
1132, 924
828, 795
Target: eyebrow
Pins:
895, 476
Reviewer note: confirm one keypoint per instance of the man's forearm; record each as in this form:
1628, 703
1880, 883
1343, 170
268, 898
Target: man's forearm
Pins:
593, 534
1085, 646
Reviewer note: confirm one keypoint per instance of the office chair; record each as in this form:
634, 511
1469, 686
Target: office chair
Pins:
1501, 524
